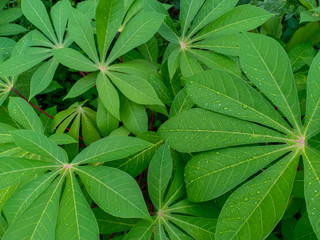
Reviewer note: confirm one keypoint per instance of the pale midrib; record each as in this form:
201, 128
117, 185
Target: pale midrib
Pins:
276, 84
226, 26
46, 206
187, 16
311, 118
142, 152
251, 108
26, 200
226, 132
239, 163
75, 205
27, 169
271, 187
93, 52
45, 150
43, 23
112, 58
195, 226
118, 194
99, 155
205, 18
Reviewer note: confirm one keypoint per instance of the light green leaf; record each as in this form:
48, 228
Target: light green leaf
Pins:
139, 161
39, 220
111, 148
226, 44
106, 122
159, 174
240, 19
189, 64
312, 126
36, 13
217, 61
135, 88
197, 130
312, 186
207, 169
167, 30
13, 170
255, 208
89, 131
75, 218
62, 139
133, 116
227, 94
109, 224
82, 85
300, 55
10, 15
109, 15
108, 95
181, 103
11, 29
267, 65
210, 11
5, 135
22, 199
24, 114
81, 32
37, 143
150, 50
141, 231
198, 228
74, 59
42, 78
114, 191
138, 31
188, 10
19, 64
59, 14
174, 61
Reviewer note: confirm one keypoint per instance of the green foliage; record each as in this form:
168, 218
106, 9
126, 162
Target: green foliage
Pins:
184, 125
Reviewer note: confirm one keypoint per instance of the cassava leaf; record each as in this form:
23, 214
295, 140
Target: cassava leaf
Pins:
312, 186
254, 209
199, 130
267, 65
75, 218
111, 148
109, 185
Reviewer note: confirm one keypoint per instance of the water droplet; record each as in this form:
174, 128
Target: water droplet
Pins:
244, 106
258, 192
246, 199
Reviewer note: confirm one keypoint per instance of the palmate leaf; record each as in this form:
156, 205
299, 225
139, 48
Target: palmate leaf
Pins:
108, 95
109, 15
37, 143
39, 220
75, 218
197, 130
227, 94
160, 170
207, 177
138, 31
191, 225
59, 15
114, 191
312, 126
80, 29
255, 208
22, 199
111, 148
36, 13
210, 11
13, 170
240, 19
312, 186
267, 65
